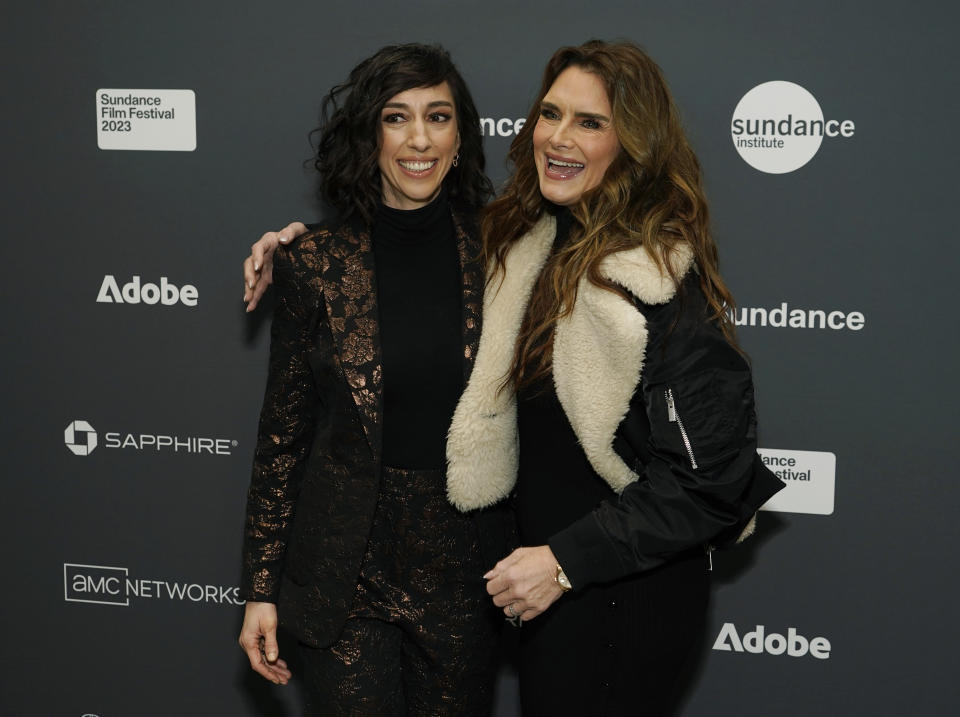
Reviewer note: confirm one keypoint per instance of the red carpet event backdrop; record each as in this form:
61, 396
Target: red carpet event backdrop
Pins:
149, 144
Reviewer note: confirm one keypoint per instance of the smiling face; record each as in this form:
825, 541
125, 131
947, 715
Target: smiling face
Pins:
418, 140
574, 141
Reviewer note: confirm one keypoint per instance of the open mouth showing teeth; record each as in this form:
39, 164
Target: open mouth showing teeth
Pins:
417, 166
560, 169
560, 163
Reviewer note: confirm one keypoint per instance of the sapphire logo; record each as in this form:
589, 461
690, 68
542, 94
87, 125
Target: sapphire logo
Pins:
778, 127
80, 438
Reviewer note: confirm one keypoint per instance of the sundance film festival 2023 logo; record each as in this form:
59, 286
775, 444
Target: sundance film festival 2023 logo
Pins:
809, 477
82, 439
778, 127
111, 585
155, 120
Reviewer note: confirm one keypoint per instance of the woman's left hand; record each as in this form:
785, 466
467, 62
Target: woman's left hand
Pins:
524, 583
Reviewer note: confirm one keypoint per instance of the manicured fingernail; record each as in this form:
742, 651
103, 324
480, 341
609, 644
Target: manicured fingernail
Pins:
271, 656
256, 266
487, 575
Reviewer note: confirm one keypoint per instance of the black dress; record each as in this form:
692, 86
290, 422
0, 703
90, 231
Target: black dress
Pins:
618, 648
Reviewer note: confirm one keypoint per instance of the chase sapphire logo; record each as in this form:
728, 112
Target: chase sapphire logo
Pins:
80, 438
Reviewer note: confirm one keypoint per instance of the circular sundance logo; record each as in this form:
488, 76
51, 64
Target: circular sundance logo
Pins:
80, 438
778, 127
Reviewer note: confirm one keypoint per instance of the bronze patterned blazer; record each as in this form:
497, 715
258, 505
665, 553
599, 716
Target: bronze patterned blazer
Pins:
316, 469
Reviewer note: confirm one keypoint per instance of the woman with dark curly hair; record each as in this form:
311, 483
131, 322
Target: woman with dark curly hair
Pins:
350, 540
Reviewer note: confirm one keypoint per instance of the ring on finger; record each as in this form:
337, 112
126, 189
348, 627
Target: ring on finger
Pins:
512, 610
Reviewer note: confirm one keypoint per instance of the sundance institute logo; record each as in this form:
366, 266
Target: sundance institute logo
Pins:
80, 438
778, 127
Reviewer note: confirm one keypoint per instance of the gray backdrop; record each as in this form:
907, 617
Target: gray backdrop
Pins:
865, 226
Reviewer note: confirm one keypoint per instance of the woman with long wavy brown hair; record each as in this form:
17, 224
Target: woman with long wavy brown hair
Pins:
608, 395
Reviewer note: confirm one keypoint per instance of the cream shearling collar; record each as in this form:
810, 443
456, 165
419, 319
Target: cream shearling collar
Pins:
597, 361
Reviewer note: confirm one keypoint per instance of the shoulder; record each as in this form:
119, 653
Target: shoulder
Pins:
308, 253
684, 337
307, 249
299, 266
641, 275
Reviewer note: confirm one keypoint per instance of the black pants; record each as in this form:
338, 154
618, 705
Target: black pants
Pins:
421, 636
625, 648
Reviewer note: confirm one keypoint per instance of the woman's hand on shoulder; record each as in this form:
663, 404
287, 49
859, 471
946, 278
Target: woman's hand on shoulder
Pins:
258, 638
258, 267
524, 583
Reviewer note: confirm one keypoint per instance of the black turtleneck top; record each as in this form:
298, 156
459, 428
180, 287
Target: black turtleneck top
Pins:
556, 485
419, 295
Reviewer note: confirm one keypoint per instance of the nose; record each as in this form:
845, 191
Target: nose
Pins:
419, 138
561, 138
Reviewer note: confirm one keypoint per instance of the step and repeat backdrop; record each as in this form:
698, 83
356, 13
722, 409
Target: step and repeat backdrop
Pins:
147, 145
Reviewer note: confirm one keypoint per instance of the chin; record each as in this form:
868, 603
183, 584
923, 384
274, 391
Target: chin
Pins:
559, 195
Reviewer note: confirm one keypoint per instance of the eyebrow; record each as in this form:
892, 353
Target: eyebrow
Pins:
405, 106
587, 115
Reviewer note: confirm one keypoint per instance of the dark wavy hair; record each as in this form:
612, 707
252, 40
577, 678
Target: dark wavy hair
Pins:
348, 138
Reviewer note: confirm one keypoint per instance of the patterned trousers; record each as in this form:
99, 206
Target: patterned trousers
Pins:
421, 638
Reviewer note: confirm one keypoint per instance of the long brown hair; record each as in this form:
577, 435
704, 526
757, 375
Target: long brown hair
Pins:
650, 196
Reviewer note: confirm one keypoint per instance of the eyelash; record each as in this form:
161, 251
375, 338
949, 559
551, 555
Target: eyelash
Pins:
586, 123
397, 117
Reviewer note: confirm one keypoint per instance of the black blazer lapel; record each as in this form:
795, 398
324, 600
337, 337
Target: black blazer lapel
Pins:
349, 290
471, 268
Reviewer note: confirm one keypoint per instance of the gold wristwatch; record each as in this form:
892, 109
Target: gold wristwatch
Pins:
562, 580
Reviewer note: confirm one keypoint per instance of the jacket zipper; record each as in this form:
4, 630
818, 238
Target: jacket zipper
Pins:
674, 417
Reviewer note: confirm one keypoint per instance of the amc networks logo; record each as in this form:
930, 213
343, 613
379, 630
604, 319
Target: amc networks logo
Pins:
98, 584
113, 585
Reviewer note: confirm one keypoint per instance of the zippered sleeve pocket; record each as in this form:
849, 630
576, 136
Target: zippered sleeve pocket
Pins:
703, 419
674, 417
